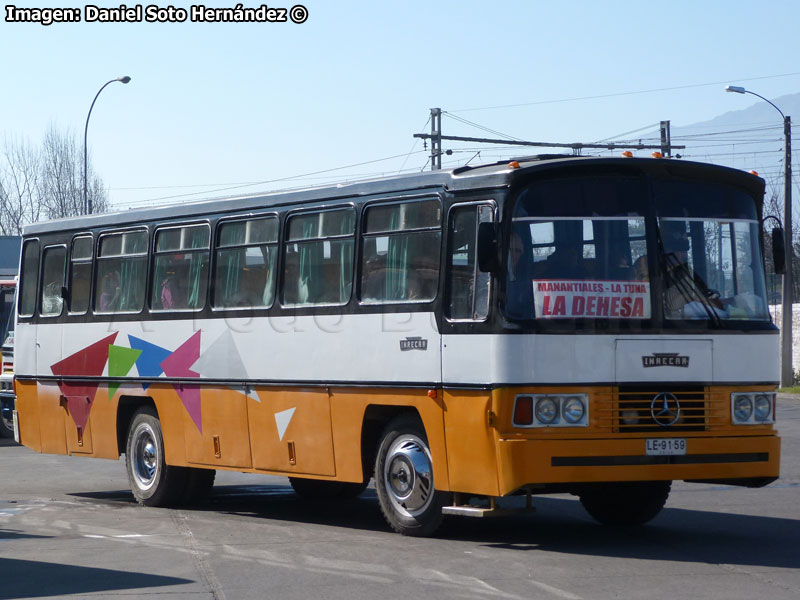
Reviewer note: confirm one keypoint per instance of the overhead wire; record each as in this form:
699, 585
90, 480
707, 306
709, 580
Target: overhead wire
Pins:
630, 93
265, 182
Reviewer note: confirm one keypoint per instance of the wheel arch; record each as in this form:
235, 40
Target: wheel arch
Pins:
127, 407
378, 416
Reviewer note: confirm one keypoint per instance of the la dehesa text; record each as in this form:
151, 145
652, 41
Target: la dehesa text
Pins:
569, 299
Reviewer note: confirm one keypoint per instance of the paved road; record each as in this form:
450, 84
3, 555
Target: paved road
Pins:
69, 528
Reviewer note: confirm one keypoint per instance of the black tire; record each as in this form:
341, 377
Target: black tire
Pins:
199, 483
6, 418
633, 503
315, 489
404, 479
152, 481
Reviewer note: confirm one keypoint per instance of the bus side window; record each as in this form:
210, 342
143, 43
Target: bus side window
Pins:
319, 258
121, 275
54, 262
244, 275
80, 275
400, 261
180, 272
30, 276
468, 287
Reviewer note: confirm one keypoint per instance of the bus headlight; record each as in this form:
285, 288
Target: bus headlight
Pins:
763, 408
551, 410
742, 408
546, 410
573, 409
754, 408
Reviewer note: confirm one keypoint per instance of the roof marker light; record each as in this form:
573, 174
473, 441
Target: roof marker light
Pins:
627, 154
754, 173
656, 155
513, 165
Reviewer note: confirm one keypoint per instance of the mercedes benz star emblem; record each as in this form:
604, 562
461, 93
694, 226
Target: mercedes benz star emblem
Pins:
665, 409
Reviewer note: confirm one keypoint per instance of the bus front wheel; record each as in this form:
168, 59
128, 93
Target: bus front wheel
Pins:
152, 481
404, 479
624, 503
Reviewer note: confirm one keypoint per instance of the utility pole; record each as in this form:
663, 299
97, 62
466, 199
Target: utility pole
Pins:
666, 142
436, 139
787, 373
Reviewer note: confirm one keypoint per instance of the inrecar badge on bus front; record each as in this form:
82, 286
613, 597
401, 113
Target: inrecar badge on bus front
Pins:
413, 343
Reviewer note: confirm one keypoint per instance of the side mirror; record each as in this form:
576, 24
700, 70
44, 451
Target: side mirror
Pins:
488, 260
778, 251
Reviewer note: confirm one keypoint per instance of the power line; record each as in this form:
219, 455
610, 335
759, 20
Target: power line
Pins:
289, 178
665, 89
481, 127
627, 133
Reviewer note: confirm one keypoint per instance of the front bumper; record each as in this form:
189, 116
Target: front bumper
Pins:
541, 462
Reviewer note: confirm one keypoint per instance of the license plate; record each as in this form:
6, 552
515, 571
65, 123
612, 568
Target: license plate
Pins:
665, 447
16, 426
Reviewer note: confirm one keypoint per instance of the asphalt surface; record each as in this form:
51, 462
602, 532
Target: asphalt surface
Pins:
69, 528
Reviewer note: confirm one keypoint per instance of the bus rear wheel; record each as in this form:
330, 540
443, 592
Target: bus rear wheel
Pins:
633, 503
404, 479
199, 483
153, 482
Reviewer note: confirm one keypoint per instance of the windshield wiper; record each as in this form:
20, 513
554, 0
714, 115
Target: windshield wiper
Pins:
687, 283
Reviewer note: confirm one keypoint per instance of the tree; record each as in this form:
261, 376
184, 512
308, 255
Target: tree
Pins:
45, 181
19, 186
62, 177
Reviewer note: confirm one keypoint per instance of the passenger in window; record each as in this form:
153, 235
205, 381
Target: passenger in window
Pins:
640, 269
168, 300
565, 263
619, 265
686, 294
109, 292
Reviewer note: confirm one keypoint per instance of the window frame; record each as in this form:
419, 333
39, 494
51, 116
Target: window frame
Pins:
71, 264
215, 248
146, 254
284, 242
363, 236
492, 204
154, 254
40, 296
25, 281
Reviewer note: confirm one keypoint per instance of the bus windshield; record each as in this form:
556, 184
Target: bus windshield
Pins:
579, 249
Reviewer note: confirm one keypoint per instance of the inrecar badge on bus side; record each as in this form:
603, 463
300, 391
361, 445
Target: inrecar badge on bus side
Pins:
414, 343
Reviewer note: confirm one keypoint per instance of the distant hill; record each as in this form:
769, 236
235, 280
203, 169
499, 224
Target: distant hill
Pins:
748, 139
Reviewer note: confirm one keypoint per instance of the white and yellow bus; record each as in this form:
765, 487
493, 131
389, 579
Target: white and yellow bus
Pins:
597, 326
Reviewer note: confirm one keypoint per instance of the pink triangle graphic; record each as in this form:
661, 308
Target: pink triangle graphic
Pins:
178, 364
190, 396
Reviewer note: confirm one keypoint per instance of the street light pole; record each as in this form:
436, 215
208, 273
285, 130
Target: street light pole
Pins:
87, 204
787, 376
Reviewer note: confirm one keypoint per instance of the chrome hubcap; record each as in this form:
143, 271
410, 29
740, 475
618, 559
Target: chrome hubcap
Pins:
408, 475
145, 456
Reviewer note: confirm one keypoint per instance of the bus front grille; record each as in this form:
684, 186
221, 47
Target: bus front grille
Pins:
649, 409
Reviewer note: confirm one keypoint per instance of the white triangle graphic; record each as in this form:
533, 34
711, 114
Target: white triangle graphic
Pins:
282, 420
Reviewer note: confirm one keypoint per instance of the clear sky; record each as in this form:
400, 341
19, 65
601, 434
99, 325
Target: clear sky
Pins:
214, 106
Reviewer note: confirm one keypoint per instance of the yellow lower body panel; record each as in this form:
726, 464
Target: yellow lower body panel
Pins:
527, 462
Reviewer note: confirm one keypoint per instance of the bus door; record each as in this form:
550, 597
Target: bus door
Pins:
466, 306
75, 400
